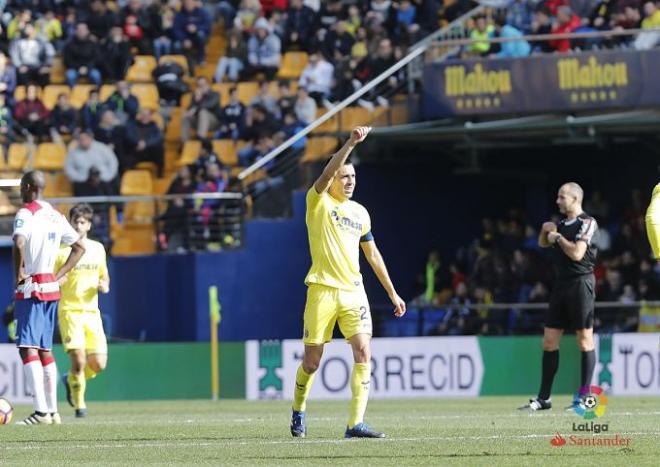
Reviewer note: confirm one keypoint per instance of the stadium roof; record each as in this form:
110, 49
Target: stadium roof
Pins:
530, 130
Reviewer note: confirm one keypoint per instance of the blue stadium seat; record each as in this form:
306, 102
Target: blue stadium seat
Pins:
433, 317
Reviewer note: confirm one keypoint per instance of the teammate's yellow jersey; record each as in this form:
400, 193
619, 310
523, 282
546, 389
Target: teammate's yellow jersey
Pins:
80, 291
653, 211
653, 222
335, 230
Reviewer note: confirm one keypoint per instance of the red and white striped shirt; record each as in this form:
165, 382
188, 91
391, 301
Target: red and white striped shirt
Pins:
44, 229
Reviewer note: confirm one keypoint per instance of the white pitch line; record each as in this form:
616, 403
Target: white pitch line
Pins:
211, 418
226, 443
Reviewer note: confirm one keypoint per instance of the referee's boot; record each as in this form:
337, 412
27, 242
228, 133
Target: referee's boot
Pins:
362, 430
537, 404
298, 427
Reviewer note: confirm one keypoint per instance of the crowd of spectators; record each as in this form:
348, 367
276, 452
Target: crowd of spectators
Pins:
347, 44
504, 264
516, 18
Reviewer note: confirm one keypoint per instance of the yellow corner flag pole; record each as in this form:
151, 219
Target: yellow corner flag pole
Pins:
215, 317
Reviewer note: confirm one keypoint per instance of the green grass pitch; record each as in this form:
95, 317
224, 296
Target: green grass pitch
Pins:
483, 431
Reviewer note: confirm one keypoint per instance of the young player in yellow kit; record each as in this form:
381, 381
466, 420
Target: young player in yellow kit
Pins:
78, 314
653, 222
337, 229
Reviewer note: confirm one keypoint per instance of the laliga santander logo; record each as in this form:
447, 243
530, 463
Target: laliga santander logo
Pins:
590, 402
558, 440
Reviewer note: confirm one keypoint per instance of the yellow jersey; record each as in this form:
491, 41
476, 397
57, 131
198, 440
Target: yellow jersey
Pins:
653, 211
335, 230
80, 291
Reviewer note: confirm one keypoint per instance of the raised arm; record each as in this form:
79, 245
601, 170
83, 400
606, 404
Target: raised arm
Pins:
325, 179
377, 263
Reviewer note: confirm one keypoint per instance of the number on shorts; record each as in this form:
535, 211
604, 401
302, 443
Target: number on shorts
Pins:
363, 312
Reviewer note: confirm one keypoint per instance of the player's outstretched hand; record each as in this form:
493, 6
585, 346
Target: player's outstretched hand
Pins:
399, 306
359, 134
62, 280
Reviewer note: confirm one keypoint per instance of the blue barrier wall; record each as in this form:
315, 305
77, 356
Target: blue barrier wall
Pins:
165, 297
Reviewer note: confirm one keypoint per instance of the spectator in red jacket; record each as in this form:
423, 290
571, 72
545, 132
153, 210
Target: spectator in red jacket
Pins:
567, 22
31, 113
553, 5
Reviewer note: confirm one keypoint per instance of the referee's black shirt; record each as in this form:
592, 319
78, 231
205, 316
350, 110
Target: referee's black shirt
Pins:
582, 228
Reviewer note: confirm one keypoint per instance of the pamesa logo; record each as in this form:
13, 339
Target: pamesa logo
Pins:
590, 402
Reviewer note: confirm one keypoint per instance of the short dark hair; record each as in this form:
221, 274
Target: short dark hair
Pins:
35, 179
500, 20
207, 144
81, 210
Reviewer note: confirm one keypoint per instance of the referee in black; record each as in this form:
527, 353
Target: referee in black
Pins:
572, 300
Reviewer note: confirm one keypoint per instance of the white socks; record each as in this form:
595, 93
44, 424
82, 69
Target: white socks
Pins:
50, 383
34, 373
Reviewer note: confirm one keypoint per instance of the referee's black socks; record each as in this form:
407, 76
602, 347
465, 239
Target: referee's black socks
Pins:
550, 365
588, 365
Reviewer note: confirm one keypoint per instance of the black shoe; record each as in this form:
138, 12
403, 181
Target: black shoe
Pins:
81, 413
65, 381
298, 428
362, 430
537, 404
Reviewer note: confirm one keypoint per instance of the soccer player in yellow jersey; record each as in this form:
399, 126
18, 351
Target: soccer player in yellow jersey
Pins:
78, 314
653, 222
337, 228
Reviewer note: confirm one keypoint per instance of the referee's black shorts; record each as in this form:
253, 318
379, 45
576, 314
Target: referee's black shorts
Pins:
572, 303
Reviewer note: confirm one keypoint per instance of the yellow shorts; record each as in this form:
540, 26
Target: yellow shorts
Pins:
82, 330
327, 305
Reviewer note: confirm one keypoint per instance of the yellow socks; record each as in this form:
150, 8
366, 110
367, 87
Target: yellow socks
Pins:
360, 380
77, 384
89, 373
301, 391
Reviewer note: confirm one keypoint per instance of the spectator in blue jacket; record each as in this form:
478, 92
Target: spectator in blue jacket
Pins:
63, 119
145, 141
123, 103
232, 117
90, 113
520, 15
264, 51
7, 78
192, 27
299, 25
512, 48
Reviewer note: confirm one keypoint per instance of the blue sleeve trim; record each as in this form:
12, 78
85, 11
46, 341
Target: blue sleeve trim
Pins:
367, 237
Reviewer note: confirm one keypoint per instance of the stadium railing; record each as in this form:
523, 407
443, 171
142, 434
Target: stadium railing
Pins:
510, 318
146, 224
455, 42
